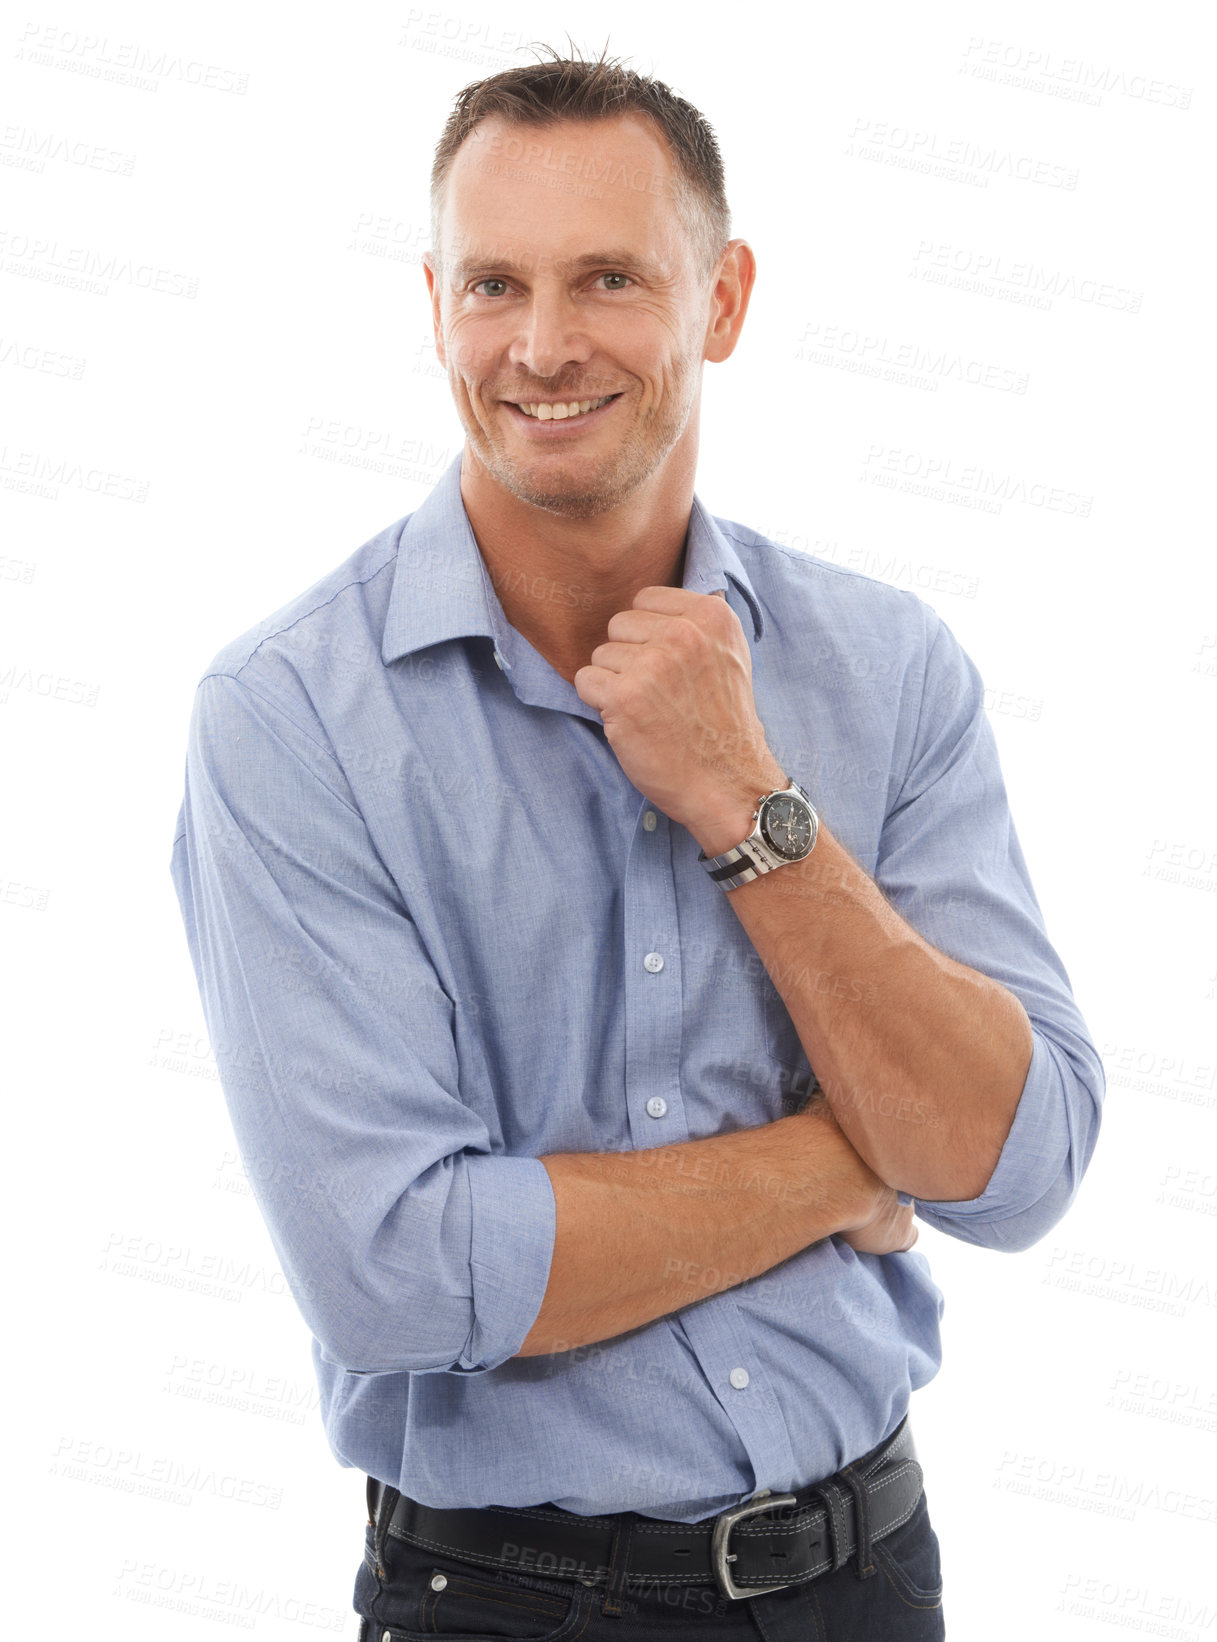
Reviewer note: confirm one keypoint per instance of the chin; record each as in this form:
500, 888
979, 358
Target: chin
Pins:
573, 496
571, 502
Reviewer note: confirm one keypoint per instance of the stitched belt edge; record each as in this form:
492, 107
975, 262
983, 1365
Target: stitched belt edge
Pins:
788, 1545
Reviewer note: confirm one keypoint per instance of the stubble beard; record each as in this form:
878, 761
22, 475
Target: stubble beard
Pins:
576, 496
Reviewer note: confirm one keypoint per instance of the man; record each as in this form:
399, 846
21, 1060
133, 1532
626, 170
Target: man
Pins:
531, 862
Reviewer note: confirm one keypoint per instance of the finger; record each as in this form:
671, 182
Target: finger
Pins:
615, 657
671, 601
637, 626
594, 685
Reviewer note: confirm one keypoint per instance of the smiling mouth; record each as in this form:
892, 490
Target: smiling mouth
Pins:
563, 412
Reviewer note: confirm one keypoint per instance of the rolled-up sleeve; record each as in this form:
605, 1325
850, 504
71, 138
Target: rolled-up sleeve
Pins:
951, 864
407, 1242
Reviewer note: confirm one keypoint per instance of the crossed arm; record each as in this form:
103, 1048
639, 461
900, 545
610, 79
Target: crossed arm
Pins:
642, 1234
374, 1220
923, 1081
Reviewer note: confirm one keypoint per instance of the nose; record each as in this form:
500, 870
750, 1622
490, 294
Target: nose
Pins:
549, 335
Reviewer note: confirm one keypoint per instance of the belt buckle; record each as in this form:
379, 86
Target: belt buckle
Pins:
719, 1554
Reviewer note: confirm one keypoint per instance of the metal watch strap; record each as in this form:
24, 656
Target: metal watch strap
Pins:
750, 859
736, 866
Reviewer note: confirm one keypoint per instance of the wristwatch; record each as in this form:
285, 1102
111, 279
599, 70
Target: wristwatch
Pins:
784, 830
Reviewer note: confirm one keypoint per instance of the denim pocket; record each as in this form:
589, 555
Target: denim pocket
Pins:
427, 1594
498, 1605
909, 1559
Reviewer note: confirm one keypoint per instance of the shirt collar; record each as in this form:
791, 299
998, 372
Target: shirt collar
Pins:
442, 590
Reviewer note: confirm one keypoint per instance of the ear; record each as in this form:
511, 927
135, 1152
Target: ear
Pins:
729, 300
434, 292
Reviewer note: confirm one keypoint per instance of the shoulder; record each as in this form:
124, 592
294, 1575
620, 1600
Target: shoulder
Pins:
801, 591
343, 609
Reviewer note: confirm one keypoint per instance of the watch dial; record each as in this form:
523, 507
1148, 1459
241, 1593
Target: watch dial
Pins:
786, 827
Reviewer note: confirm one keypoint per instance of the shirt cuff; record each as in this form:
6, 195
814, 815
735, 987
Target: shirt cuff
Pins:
514, 1222
1034, 1152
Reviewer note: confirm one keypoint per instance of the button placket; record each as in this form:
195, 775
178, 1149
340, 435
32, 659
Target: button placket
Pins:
719, 1339
653, 994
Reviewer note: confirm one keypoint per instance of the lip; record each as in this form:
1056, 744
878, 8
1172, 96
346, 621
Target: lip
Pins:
567, 428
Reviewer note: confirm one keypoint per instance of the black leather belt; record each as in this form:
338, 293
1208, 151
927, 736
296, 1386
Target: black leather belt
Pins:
769, 1542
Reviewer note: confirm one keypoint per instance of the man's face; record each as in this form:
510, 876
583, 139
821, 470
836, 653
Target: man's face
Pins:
573, 327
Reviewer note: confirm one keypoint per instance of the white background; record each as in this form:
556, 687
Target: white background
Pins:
210, 301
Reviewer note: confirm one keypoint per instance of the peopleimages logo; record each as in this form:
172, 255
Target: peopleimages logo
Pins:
32, 257
130, 1471
913, 363
100, 57
1059, 75
990, 273
942, 478
205, 1595
956, 158
603, 170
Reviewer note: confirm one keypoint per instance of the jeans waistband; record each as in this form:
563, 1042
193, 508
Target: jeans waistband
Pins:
787, 1538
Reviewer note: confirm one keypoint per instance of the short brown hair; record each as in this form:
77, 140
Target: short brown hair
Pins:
575, 88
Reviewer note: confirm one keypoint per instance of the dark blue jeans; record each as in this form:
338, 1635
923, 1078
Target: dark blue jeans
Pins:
900, 1602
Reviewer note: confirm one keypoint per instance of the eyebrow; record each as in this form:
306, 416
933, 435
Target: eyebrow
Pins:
486, 264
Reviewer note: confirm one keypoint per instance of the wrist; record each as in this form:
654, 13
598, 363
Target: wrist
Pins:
725, 819
848, 1180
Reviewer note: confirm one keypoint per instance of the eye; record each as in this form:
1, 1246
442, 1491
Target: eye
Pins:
616, 282
500, 283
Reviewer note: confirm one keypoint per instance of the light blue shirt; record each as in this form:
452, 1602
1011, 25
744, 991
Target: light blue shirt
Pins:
438, 934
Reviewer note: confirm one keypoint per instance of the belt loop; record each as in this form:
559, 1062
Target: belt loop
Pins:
836, 1501
862, 1513
384, 1515
619, 1561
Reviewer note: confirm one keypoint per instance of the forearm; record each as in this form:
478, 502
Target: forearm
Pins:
641, 1234
922, 1059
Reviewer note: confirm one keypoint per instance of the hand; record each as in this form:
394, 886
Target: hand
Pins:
882, 1224
673, 686
890, 1229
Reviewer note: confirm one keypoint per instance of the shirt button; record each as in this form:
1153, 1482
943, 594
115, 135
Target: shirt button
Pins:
439, 1582
499, 660
650, 821
739, 1378
657, 1106
653, 963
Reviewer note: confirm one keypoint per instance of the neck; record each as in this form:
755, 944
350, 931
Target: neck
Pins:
560, 579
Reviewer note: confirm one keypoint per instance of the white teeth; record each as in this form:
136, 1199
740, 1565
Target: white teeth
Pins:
559, 413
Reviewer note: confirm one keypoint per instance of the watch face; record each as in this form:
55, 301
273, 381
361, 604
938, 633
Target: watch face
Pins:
786, 827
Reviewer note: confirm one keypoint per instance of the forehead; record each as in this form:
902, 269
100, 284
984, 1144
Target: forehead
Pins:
553, 190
